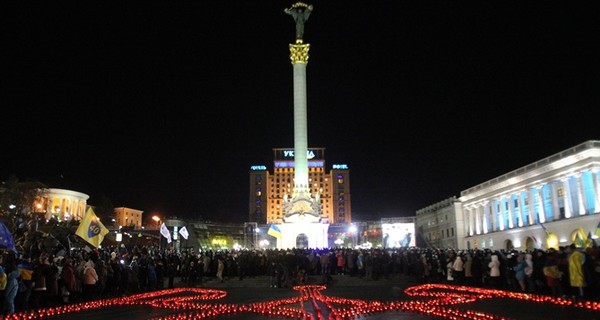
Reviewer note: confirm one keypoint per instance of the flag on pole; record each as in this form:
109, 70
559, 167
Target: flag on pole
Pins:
536, 240
6, 238
91, 229
545, 230
165, 232
274, 231
184, 233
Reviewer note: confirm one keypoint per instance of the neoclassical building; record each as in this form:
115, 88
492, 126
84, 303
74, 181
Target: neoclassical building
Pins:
550, 203
62, 204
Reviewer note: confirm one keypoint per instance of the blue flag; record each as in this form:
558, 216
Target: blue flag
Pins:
6, 238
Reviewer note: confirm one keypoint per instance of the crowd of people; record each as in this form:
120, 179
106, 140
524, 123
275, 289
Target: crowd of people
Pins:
80, 275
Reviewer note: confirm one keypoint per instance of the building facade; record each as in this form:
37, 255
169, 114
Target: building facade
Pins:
127, 217
61, 204
437, 223
268, 191
550, 203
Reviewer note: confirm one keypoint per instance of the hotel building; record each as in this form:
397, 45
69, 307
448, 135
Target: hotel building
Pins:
269, 189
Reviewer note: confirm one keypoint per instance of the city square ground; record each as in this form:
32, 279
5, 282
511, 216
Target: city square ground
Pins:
399, 297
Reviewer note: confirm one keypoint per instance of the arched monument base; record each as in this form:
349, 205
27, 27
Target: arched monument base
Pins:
315, 232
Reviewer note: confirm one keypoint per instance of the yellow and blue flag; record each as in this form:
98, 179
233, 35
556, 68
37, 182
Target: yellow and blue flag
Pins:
91, 229
274, 231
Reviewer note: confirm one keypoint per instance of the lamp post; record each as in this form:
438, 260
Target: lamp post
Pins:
157, 219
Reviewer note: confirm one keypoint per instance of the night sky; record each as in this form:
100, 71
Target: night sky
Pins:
160, 105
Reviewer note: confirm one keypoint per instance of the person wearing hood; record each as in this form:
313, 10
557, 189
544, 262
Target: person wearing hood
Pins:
90, 277
494, 266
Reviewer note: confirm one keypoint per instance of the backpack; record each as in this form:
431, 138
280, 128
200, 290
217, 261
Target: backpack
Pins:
3, 279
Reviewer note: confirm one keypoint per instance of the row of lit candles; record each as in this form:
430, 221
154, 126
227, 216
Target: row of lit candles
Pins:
435, 300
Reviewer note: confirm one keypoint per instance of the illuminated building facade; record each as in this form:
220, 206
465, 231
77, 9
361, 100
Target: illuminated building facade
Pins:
127, 217
547, 204
61, 204
268, 190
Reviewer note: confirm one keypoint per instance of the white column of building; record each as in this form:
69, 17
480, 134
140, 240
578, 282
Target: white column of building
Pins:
470, 220
554, 195
498, 214
567, 197
540, 201
521, 210
596, 190
486, 218
511, 211
478, 218
580, 194
531, 206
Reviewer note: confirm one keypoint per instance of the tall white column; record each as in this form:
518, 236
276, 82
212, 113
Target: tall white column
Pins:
486, 218
554, 195
500, 215
540, 202
596, 190
567, 197
521, 208
478, 219
511, 211
580, 194
470, 218
531, 205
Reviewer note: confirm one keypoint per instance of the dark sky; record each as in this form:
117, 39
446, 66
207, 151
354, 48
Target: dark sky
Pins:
161, 105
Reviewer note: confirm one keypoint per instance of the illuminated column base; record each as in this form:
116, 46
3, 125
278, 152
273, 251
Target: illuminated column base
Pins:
315, 232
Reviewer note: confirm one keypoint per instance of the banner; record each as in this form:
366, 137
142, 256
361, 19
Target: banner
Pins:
165, 232
6, 238
274, 231
91, 229
184, 233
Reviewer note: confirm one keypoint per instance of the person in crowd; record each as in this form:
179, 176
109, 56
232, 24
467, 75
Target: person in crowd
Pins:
553, 274
90, 278
40, 271
69, 281
529, 278
458, 270
220, 268
12, 287
468, 267
495, 275
25, 266
576, 273
520, 272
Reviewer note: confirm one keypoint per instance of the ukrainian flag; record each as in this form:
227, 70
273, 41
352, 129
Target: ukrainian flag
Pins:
274, 231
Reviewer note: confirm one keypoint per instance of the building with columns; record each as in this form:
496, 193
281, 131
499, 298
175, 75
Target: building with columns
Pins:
62, 204
550, 203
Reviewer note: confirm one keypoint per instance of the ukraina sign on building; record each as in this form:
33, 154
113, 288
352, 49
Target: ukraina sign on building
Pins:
288, 154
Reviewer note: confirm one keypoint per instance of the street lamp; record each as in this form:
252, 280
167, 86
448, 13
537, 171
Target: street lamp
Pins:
157, 219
